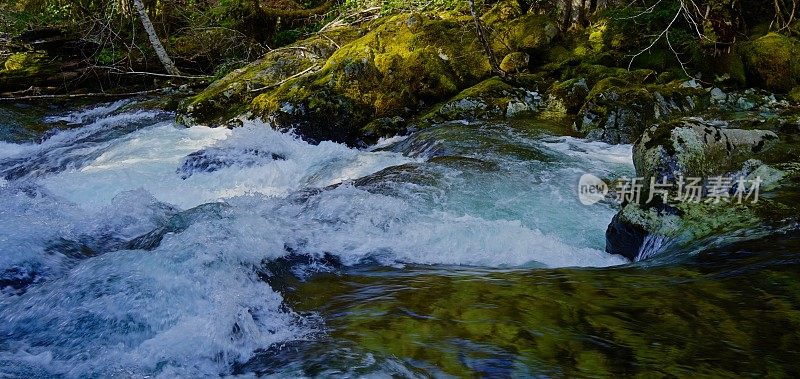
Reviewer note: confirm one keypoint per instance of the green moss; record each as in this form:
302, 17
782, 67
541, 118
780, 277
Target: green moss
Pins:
771, 62
531, 33
490, 99
231, 95
794, 94
515, 62
407, 62
28, 62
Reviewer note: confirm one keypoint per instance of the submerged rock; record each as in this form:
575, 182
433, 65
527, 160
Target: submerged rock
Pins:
213, 159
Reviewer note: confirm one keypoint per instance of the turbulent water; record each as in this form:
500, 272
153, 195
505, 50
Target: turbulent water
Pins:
133, 246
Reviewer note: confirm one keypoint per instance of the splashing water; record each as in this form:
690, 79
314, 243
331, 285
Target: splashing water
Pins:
132, 246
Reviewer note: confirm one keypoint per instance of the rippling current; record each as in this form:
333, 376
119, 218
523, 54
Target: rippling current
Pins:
135, 247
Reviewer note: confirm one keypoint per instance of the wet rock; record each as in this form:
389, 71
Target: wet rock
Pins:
624, 238
696, 148
213, 159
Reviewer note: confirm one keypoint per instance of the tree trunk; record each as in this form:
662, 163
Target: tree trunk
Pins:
582, 13
151, 34
567, 14
485, 42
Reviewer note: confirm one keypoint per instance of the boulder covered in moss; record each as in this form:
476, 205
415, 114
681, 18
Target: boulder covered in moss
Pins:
409, 62
673, 153
618, 110
693, 147
771, 62
490, 99
357, 86
531, 33
230, 96
516, 62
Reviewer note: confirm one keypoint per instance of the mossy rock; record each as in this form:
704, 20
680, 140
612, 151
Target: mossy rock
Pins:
594, 73
618, 110
726, 69
29, 62
231, 95
692, 148
490, 99
794, 94
502, 12
532, 33
405, 64
700, 149
771, 62
570, 93
32, 69
515, 63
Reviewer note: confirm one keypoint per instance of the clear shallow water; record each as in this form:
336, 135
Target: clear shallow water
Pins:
135, 247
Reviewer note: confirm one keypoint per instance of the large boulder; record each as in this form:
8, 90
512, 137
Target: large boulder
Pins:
359, 89
231, 95
490, 99
695, 148
771, 62
618, 110
407, 63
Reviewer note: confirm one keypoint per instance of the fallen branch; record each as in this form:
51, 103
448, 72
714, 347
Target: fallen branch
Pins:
82, 95
179, 76
484, 41
310, 69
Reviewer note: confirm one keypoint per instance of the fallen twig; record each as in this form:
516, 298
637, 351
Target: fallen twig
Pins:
313, 68
82, 95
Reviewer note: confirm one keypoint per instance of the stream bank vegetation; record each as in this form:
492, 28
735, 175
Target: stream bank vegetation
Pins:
63, 46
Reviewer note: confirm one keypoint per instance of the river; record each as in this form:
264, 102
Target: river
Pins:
136, 247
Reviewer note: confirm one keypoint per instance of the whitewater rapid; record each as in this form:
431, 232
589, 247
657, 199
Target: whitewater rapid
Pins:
133, 246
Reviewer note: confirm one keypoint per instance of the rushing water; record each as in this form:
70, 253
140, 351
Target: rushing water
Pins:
133, 246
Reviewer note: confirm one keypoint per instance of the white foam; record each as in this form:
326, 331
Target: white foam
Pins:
149, 158
88, 114
593, 150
